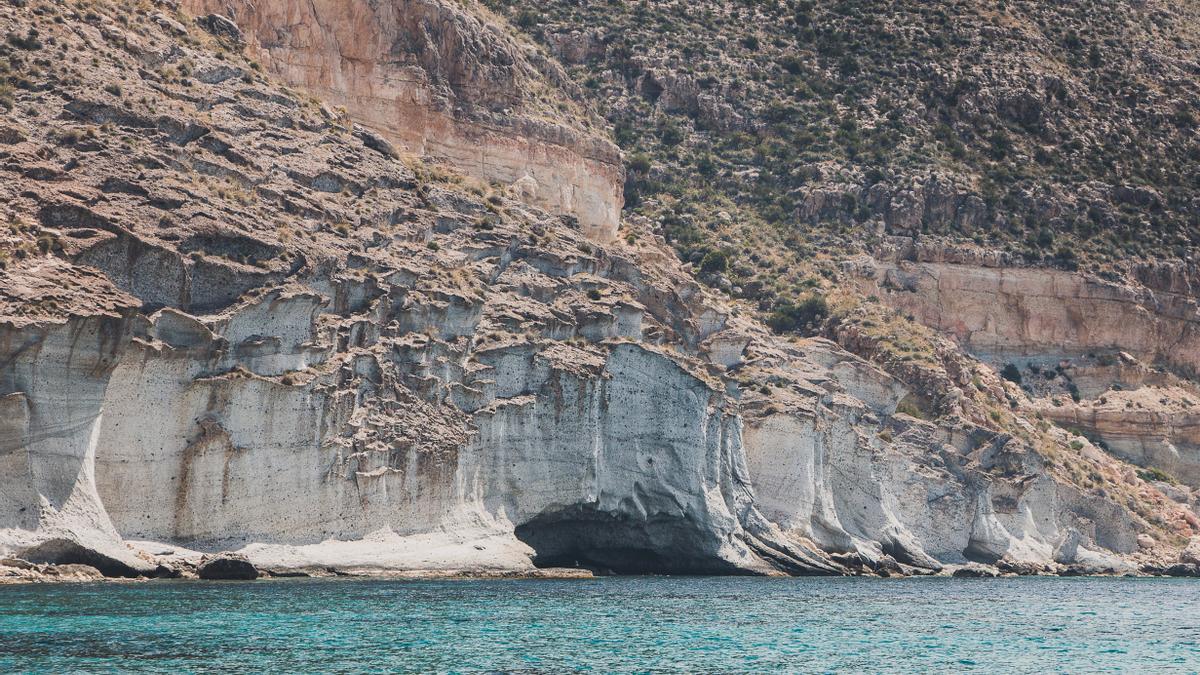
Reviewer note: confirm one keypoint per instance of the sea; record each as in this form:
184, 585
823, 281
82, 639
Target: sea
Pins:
607, 624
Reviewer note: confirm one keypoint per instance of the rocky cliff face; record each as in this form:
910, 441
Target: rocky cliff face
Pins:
1004, 311
1061, 131
1114, 359
233, 319
438, 80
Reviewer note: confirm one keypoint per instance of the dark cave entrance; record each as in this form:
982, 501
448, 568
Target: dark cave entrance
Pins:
607, 543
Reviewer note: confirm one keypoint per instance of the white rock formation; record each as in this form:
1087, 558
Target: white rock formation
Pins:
248, 325
379, 436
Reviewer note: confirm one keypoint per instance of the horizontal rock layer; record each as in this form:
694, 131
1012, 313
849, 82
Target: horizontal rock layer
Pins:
1005, 312
439, 81
232, 320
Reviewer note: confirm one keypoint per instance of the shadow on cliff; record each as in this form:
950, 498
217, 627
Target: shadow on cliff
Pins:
606, 543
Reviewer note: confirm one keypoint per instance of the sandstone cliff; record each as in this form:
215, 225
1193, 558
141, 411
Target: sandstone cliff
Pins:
438, 80
1114, 359
233, 319
1002, 310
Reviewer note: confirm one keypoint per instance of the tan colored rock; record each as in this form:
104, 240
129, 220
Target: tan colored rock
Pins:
1010, 312
1191, 554
439, 81
18, 571
1150, 426
244, 326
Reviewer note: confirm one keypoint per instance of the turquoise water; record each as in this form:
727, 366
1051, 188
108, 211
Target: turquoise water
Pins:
611, 624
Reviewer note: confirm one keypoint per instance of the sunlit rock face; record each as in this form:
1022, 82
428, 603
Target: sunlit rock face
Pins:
438, 80
1111, 359
1002, 311
247, 325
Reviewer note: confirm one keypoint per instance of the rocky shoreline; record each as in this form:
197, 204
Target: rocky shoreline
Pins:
234, 317
234, 567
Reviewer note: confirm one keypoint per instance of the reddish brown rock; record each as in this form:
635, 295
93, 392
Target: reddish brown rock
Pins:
439, 81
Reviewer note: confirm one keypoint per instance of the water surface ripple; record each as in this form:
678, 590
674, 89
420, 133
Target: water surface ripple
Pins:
629, 624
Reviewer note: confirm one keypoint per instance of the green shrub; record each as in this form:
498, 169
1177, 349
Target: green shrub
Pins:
29, 43
1011, 373
527, 18
1152, 474
910, 408
670, 134
788, 317
714, 262
639, 163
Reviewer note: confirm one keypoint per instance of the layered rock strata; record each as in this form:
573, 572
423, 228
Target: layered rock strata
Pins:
233, 321
1150, 426
1001, 311
438, 80
1112, 359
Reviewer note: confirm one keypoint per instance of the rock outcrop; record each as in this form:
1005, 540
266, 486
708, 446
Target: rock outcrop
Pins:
230, 320
17, 571
1149, 426
438, 80
227, 567
1112, 360
1002, 311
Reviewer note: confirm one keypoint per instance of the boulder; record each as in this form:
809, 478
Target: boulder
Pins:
71, 572
164, 571
976, 571
222, 27
168, 24
376, 142
110, 560
23, 571
1088, 569
1191, 554
1020, 568
227, 567
1183, 570
853, 562
886, 566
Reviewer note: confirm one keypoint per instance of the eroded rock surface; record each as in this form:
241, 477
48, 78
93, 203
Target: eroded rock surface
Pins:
437, 79
1113, 360
233, 321
1001, 311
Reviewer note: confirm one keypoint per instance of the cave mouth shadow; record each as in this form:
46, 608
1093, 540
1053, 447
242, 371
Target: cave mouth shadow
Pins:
60, 551
606, 543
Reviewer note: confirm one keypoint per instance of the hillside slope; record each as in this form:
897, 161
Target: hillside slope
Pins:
1020, 178
437, 80
1060, 132
233, 317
